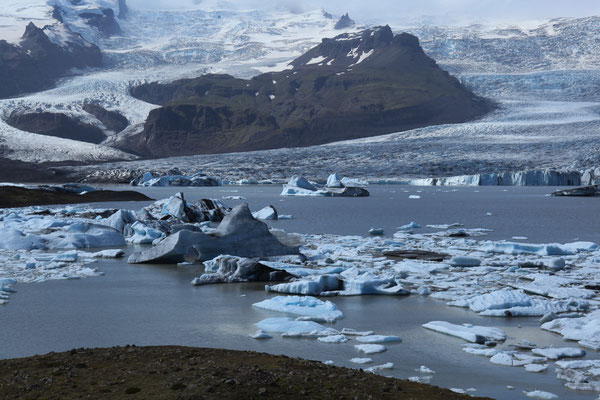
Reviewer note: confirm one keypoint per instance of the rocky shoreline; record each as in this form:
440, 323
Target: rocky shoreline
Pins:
195, 373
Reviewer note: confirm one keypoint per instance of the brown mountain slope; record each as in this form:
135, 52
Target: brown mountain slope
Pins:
355, 85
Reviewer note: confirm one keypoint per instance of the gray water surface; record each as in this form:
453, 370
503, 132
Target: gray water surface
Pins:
157, 305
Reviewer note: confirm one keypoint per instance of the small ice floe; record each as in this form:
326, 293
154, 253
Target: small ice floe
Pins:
267, 213
328, 362
480, 350
370, 348
376, 231
111, 253
468, 332
444, 226
412, 225
354, 332
539, 394
260, 334
536, 367
333, 339
302, 305
425, 370
378, 339
359, 360
420, 379
458, 390
234, 198
502, 358
285, 216
579, 374
519, 238
507, 302
378, 368
290, 328
414, 197
558, 353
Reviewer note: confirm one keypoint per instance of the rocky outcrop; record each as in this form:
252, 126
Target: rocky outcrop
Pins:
123, 9
239, 234
344, 22
112, 120
585, 191
103, 20
355, 85
58, 125
36, 62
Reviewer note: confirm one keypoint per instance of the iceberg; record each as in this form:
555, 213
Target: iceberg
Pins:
557, 353
226, 269
290, 328
301, 305
370, 348
267, 213
378, 339
470, 333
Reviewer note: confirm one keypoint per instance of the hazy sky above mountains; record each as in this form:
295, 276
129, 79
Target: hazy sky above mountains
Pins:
455, 11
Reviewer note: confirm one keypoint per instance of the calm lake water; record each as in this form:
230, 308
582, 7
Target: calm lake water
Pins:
157, 305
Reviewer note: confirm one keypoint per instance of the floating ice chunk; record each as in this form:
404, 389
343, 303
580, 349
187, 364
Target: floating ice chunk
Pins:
302, 183
458, 390
536, 367
333, 339
267, 213
354, 332
358, 360
445, 226
260, 334
175, 207
353, 182
378, 368
554, 249
502, 358
579, 374
539, 394
557, 353
111, 253
84, 235
414, 197
412, 225
334, 181
120, 220
144, 234
370, 348
370, 284
315, 286
470, 333
378, 339
301, 305
13, 239
376, 231
500, 299
425, 370
291, 328
585, 329
285, 216
463, 261
67, 256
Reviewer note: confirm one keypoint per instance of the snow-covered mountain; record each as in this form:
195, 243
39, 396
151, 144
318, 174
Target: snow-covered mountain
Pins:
536, 71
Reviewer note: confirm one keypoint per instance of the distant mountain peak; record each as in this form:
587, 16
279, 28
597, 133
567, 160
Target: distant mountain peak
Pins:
344, 22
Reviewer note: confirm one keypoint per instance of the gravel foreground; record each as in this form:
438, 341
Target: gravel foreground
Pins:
195, 373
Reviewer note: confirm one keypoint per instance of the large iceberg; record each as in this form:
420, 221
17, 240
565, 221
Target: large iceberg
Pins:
225, 269
239, 234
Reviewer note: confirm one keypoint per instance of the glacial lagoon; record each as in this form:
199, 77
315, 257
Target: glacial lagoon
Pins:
157, 305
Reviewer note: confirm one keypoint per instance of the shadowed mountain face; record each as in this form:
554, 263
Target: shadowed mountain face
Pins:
58, 125
355, 85
37, 61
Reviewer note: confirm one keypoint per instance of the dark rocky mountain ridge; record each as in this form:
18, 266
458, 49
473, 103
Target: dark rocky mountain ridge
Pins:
37, 62
354, 85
